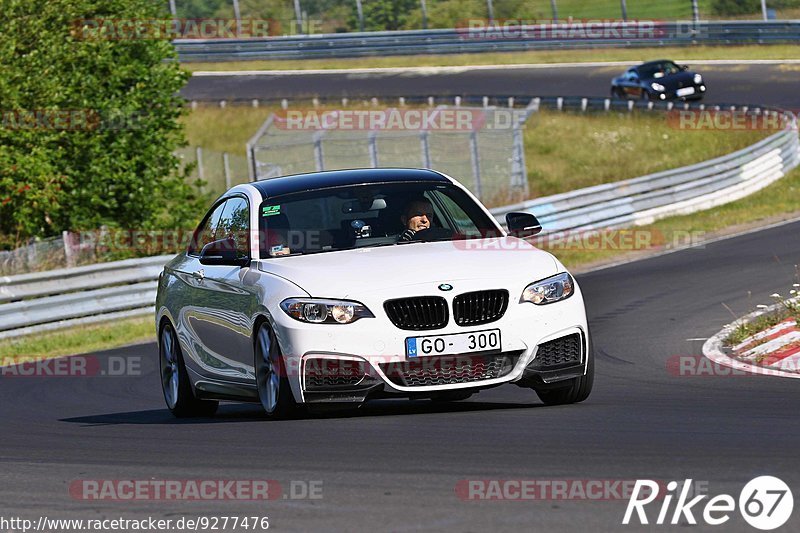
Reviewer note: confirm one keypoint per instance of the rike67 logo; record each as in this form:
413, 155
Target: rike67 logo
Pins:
765, 503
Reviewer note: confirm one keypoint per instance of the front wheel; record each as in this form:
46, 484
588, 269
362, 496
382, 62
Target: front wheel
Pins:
175, 380
576, 389
272, 382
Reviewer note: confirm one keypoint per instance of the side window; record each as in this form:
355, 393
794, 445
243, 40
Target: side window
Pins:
464, 224
205, 232
235, 224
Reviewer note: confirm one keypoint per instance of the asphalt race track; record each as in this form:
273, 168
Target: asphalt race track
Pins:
395, 465
732, 84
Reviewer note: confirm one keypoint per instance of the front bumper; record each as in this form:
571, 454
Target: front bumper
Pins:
367, 359
699, 92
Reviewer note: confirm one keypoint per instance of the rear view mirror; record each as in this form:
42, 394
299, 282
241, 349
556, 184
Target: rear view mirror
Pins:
354, 206
522, 224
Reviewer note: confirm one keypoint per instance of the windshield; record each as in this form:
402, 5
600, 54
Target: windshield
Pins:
658, 70
372, 214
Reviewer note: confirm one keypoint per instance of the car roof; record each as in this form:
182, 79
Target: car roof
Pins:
337, 178
655, 62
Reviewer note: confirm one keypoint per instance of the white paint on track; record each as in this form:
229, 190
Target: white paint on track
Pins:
430, 71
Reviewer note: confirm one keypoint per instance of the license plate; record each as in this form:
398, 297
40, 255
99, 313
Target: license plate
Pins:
454, 344
685, 91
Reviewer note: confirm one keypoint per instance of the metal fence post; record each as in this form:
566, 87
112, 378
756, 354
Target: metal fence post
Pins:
226, 168
319, 157
237, 14
373, 149
360, 12
69, 253
298, 15
519, 173
425, 148
476, 163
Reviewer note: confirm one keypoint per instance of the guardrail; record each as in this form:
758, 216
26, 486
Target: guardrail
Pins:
42, 301
477, 40
683, 190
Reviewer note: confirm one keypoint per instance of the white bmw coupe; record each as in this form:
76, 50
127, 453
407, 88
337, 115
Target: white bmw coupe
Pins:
339, 287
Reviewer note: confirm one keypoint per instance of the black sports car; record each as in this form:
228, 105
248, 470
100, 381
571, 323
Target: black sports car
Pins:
659, 80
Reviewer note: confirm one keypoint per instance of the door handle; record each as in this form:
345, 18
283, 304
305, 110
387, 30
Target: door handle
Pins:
199, 274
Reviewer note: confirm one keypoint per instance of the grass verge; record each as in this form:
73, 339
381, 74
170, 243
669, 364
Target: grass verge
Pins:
694, 53
92, 338
778, 201
568, 151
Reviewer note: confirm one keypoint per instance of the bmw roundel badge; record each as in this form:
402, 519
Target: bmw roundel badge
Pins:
445, 287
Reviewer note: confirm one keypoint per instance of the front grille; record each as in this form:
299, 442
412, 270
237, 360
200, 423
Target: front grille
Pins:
448, 370
417, 313
327, 374
480, 307
565, 351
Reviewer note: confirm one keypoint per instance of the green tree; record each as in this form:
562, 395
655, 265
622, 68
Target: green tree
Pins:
89, 124
735, 7
382, 15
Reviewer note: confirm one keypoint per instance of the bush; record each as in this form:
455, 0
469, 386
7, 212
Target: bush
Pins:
735, 7
89, 125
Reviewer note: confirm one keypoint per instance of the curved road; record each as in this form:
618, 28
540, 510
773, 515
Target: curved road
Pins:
395, 465
741, 84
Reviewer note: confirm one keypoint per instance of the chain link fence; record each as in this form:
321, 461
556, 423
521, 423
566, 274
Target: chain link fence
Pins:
216, 171
484, 151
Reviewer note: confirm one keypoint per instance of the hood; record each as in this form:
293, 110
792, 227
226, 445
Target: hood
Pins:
675, 81
348, 273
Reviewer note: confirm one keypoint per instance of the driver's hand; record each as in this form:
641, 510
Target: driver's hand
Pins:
407, 235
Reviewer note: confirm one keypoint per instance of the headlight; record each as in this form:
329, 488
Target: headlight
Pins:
318, 311
657, 86
698, 79
558, 287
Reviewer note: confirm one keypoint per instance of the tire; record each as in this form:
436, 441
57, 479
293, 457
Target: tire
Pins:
617, 94
576, 390
645, 96
272, 382
175, 385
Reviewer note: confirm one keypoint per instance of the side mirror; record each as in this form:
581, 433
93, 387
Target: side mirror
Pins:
222, 252
684, 67
522, 224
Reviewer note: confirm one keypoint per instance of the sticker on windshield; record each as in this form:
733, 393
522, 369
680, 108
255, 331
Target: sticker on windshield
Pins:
269, 210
